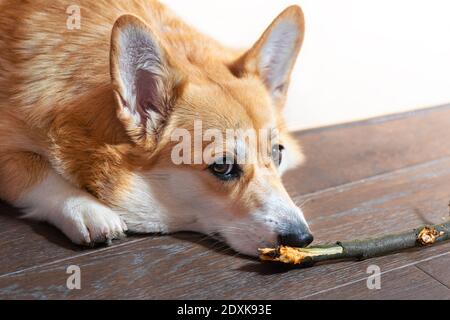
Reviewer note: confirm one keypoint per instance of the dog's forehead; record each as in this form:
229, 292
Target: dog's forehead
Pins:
254, 98
240, 104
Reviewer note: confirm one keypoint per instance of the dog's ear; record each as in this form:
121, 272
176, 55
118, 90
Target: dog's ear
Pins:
273, 56
144, 83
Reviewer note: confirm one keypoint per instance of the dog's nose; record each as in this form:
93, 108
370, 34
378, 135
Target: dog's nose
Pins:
296, 239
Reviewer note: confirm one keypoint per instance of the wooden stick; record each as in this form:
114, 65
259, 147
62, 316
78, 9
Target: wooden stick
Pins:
359, 249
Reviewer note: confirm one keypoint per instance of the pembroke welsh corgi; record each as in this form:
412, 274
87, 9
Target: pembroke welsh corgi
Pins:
93, 95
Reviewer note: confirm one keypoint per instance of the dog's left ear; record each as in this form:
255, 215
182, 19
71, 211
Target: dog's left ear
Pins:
273, 57
144, 82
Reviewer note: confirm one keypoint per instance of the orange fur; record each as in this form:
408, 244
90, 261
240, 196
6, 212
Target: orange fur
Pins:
59, 106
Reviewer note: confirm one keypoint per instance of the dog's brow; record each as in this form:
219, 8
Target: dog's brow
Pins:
274, 134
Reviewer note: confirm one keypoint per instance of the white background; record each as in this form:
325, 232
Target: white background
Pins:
360, 59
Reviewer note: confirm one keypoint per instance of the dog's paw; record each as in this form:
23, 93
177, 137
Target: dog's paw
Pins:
88, 222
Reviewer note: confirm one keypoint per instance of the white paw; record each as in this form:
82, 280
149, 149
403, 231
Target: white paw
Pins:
79, 215
87, 222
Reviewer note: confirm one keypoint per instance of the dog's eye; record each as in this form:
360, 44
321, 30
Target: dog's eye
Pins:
277, 154
225, 169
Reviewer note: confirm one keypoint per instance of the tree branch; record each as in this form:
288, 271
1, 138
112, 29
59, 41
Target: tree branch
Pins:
359, 249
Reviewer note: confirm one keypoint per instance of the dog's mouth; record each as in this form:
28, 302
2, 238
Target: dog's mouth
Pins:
220, 241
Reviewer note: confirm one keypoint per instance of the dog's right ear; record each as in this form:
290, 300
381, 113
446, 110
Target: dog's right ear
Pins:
273, 56
144, 83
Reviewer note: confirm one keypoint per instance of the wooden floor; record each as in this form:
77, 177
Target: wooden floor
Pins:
365, 178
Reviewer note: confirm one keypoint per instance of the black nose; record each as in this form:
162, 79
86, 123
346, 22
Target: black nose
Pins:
296, 239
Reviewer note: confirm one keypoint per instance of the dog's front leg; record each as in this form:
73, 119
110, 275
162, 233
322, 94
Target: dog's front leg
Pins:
46, 196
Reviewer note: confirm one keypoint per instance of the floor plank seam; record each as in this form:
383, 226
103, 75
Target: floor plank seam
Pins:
374, 121
429, 274
345, 186
14, 273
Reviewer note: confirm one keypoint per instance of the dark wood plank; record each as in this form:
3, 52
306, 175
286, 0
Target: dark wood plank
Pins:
409, 283
393, 202
342, 154
183, 268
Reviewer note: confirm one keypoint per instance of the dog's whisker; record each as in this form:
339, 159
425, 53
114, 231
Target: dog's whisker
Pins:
302, 203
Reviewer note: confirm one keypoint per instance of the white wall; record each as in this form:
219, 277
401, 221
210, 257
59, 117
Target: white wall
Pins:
360, 59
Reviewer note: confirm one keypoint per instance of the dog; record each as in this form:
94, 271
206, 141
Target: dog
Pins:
91, 92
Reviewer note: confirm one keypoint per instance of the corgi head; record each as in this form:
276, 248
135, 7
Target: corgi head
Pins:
179, 102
